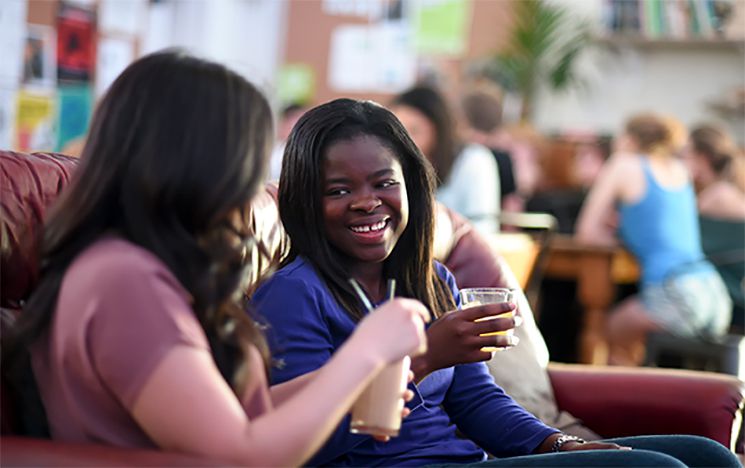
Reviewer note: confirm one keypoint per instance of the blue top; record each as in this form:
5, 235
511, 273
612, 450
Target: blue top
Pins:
661, 229
307, 325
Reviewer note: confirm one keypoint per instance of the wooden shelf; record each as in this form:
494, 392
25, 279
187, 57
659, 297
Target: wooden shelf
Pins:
643, 42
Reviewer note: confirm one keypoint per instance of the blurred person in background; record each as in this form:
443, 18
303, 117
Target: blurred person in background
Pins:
482, 112
680, 292
288, 117
589, 160
718, 169
526, 146
467, 173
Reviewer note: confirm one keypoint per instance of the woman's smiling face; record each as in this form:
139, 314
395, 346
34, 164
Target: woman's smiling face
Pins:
365, 205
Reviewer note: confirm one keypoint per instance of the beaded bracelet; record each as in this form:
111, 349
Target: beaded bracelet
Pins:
563, 439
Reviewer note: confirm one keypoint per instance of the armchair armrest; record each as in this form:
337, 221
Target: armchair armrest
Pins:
617, 401
24, 451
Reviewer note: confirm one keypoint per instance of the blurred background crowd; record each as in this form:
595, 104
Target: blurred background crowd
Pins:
519, 105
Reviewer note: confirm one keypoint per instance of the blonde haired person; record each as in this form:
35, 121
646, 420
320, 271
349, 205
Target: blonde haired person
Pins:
651, 191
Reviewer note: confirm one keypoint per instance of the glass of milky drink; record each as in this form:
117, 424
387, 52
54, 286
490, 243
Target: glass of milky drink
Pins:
378, 409
471, 297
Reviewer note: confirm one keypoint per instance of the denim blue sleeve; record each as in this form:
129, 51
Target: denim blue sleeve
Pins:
490, 417
300, 339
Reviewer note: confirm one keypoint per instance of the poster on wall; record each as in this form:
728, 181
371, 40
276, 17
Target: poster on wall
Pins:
296, 83
7, 117
35, 118
76, 51
373, 10
372, 58
127, 17
74, 104
12, 30
114, 54
441, 27
39, 57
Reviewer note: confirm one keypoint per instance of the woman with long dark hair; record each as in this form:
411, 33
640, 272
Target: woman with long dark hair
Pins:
467, 173
356, 198
136, 332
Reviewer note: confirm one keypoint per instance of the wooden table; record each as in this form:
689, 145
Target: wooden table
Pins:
597, 271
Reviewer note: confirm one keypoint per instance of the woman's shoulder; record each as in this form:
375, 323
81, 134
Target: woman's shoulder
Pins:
722, 200
116, 285
624, 161
443, 272
475, 169
298, 269
299, 273
117, 261
623, 173
477, 153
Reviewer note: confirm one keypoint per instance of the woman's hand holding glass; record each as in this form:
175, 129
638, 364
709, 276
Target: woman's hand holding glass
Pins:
455, 338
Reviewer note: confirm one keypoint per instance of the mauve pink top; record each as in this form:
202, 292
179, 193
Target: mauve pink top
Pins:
120, 310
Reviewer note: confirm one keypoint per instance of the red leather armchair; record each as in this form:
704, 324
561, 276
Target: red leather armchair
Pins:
613, 402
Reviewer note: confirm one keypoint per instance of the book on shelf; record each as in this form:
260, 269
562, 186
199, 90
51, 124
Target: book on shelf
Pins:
675, 19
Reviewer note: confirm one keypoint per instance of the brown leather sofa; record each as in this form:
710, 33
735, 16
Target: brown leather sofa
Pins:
611, 401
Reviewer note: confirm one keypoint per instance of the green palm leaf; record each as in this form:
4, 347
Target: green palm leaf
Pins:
542, 49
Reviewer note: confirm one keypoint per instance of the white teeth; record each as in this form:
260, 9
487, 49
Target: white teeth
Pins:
369, 227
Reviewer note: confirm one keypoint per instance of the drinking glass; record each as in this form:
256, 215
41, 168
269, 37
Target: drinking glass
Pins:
471, 297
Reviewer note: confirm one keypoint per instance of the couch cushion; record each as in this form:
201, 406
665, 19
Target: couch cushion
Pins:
29, 183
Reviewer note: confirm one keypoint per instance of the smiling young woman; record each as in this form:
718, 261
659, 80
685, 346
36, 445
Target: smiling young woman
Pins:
365, 206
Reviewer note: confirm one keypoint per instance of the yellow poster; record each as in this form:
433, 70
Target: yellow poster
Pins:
35, 118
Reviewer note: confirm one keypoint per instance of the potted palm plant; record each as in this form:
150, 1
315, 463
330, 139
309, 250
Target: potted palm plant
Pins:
542, 50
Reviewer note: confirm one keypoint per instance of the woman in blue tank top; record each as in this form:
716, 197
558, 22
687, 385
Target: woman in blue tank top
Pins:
649, 190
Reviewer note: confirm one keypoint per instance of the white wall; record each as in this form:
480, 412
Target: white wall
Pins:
671, 79
246, 35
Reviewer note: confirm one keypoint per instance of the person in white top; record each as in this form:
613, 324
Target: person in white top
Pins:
468, 173
288, 117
